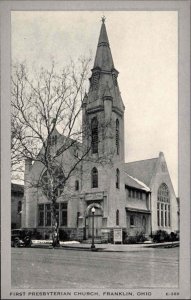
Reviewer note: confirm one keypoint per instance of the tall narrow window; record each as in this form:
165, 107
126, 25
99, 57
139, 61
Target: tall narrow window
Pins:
76, 185
64, 214
165, 215
47, 215
117, 178
57, 213
132, 220
41, 215
19, 208
158, 215
117, 136
94, 178
162, 215
77, 219
169, 216
94, 133
163, 205
117, 217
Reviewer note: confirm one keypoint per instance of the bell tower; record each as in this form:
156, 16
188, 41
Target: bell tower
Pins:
103, 108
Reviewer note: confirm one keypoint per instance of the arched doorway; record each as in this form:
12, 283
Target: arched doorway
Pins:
98, 215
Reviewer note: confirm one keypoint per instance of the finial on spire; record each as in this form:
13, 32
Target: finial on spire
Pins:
103, 19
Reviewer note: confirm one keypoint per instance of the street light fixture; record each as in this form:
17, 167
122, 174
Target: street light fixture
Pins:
93, 212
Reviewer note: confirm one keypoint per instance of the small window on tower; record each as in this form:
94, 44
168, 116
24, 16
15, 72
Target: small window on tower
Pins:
115, 79
95, 81
117, 178
117, 136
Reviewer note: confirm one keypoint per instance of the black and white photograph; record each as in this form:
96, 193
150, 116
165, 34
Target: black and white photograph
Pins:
96, 137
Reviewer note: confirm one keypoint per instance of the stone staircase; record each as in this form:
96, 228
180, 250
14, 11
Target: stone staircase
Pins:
89, 241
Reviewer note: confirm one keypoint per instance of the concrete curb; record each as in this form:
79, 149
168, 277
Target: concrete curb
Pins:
103, 247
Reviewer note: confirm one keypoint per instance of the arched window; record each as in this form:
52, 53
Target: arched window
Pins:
77, 185
58, 182
117, 217
117, 178
94, 134
117, 136
163, 206
94, 178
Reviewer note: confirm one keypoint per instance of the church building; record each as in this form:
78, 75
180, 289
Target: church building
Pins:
137, 197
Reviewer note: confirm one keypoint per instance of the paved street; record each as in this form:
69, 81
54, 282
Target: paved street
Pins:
62, 268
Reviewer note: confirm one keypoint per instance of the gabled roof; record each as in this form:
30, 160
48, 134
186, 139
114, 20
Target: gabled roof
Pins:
143, 170
135, 183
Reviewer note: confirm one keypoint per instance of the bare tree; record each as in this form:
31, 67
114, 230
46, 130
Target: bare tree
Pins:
40, 104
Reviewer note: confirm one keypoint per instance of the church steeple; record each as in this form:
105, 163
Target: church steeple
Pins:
103, 101
104, 76
103, 58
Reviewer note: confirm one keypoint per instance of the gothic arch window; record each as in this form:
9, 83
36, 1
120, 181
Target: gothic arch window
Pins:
163, 206
77, 185
58, 182
94, 178
117, 178
117, 217
94, 135
117, 136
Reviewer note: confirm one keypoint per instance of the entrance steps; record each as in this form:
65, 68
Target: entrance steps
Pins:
89, 241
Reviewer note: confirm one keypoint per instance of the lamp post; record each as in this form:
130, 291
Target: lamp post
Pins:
93, 212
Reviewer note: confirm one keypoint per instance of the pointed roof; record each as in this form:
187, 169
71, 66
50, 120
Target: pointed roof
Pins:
143, 170
103, 59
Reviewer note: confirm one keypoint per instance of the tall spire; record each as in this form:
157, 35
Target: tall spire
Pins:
103, 58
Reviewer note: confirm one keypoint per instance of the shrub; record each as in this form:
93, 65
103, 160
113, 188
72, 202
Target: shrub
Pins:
63, 235
131, 240
140, 237
174, 236
161, 236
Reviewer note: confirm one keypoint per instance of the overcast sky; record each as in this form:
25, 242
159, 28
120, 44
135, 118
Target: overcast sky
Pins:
144, 47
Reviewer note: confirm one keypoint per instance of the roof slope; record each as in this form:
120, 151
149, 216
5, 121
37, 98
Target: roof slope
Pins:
133, 182
143, 170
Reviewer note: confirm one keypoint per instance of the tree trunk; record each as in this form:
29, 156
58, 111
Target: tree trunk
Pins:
55, 227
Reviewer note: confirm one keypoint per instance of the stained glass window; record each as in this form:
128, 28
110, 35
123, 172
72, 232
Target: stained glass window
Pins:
163, 206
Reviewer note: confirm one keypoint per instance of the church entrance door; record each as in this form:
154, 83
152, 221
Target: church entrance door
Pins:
97, 223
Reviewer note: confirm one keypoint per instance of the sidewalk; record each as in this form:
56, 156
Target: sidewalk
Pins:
73, 245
